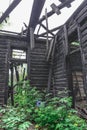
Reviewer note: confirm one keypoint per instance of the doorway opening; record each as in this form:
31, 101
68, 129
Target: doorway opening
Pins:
75, 66
17, 70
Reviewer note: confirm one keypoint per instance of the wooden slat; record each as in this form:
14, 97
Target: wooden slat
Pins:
39, 66
3, 71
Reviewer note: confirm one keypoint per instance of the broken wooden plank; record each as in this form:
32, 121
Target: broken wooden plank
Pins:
35, 14
32, 42
9, 10
62, 5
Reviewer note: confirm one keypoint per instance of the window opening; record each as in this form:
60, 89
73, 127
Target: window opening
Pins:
18, 54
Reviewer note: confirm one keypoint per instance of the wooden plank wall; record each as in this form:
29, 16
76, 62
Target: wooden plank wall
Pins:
60, 75
79, 18
59, 67
39, 66
83, 32
76, 64
5, 42
3, 70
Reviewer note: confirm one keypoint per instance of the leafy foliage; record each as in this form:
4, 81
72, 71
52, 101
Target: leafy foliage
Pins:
14, 119
75, 43
59, 116
44, 111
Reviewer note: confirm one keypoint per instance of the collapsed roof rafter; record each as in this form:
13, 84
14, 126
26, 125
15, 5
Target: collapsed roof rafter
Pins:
62, 5
52, 30
47, 29
9, 10
36, 11
35, 14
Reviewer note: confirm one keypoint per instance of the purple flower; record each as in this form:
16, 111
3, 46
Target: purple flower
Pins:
38, 103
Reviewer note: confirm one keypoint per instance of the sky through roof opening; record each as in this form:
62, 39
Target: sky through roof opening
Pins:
21, 14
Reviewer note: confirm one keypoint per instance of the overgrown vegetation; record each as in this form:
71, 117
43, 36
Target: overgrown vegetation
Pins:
43, 111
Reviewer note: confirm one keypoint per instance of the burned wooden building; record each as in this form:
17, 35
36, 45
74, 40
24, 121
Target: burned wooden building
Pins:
56, 61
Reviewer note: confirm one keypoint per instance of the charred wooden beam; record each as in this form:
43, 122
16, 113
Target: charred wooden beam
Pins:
8, 32
17, 74
50, 49
32, 43
12, 95
38, 29
35, 14
9, 10
74, 51
66, 39
47, 29
68, 66
36, 36
82, 112
68, 5
51, 65
62, 5
23, 77
83, 60
13, 60
70, 79
52, 30
28, 62
7, 74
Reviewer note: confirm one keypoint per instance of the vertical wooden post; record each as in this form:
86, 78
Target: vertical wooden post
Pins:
50, 49
7, 73
70, 80
68, 67
17, 74
38, 29
12, 95
66, 40
32, 44
51, 66
83, 61
28, 61
47, 27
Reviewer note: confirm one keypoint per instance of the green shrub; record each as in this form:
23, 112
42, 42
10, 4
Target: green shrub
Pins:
58, 115
44, 111
14, 119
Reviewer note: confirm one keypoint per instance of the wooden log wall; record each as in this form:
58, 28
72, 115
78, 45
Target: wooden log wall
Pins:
3, 70
39, 67
59, 67
14, 41
79, 18
83, 33
76, 64
6, 43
